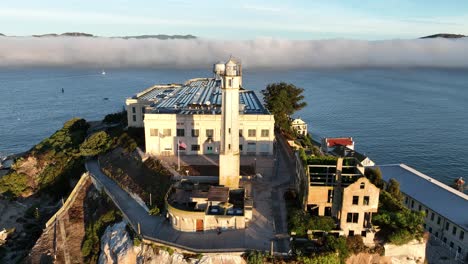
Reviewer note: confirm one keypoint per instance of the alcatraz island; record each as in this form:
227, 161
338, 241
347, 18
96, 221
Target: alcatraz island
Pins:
206, 172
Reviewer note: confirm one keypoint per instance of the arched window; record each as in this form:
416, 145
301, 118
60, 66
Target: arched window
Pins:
362, 186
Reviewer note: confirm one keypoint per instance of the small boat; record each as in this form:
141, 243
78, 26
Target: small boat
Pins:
103, 72
105, 98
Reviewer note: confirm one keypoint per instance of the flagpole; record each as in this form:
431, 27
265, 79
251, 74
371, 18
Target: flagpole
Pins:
178, 154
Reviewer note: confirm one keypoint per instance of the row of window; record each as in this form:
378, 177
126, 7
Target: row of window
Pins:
180, 132
196, 147
365, 200
439, 220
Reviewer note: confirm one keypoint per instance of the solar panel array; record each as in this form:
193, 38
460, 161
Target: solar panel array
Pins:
197, 96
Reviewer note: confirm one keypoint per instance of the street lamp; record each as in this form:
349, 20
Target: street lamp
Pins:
255, 165
187, 171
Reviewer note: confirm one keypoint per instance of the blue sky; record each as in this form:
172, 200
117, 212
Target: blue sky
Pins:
313, 19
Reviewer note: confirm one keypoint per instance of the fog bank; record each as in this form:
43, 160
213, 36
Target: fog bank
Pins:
258, 53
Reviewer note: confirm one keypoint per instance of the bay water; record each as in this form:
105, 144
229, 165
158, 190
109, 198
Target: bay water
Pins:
416, 116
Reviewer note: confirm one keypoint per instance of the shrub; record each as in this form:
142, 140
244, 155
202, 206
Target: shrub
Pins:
119, 117
154, 211
355, 244
329, 258
97, 143
136, 242
255, 257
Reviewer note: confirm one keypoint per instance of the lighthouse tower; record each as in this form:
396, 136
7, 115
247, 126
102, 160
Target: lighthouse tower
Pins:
229, 155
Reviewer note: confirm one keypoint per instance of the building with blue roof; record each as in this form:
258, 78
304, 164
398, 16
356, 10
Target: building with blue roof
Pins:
189, 116
446, 208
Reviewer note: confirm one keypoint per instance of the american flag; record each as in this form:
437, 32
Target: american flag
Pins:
182, 145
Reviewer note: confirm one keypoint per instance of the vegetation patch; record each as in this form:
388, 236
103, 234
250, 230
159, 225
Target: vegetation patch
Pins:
49, 165
148, 178
398, 225
100, 212
283, 100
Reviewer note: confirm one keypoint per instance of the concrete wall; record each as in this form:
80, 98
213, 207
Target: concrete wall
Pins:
187, 220
158, 144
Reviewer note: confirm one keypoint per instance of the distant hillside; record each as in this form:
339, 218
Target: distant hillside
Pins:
66, 34
79, 34
444, 35
2, 35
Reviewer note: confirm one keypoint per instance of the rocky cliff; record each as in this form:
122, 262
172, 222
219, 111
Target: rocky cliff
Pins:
117, 247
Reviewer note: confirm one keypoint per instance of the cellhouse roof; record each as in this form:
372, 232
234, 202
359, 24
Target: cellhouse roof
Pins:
435, 195
196, 96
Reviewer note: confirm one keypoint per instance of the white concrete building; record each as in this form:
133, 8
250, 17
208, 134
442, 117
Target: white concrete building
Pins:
299, 126
446, 208
190, 113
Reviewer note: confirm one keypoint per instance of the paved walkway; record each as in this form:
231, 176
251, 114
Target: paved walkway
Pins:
269, 215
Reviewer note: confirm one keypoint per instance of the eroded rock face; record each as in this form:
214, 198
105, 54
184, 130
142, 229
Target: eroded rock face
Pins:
148, 255
413, 252
117, 246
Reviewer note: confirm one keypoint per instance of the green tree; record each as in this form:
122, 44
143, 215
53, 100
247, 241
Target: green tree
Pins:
374, 176
394, 189
95, 144
282, 100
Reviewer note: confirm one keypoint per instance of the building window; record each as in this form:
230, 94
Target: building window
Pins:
209, 133
363, 233
230, 83
143, 110
427, 212
251, 147
154, 132
352, 217
167, 132
437, 234
451, 244
454, 230
195, 132
181, 132
438, 220
134, 118
432, 216
252, 132
195, 147
240, 133
240, 147
351, 233
412, 204
406, 200
366, 200
265, 133
330, 196
462, 235
356, 200
447, 226
419, 208
445, 240
133, 110
209, 148
430, 230
459, 249
362, 186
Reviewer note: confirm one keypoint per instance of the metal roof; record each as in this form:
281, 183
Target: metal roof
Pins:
435, 195
196, 96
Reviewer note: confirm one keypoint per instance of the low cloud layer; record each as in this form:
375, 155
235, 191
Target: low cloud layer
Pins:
264, 53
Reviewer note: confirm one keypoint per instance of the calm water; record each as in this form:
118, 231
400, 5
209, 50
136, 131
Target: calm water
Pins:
413, 116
